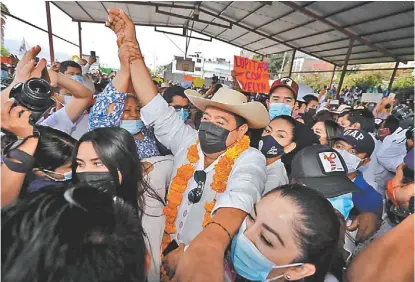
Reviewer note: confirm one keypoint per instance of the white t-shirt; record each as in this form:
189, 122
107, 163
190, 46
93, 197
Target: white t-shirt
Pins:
276, 176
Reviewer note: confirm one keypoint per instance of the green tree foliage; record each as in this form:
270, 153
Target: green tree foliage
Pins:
316, 80
366, 79
274, 63
4, 10
4, 52
403, 85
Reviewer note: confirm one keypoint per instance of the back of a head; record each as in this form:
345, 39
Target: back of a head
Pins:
317, 227
392, 123
170, 92
65, 64
55, 148
364, 117
217, 87
323, 115
310, 97
76, 234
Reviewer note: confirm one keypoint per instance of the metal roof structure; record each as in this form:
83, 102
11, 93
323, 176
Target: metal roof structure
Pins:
378, 31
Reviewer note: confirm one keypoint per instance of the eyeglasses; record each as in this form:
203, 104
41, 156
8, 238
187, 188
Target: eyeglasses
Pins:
195, 194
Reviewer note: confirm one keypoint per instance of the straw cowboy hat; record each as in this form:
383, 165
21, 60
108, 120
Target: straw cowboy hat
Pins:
235, 102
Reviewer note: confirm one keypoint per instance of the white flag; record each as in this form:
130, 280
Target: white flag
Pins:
23, 47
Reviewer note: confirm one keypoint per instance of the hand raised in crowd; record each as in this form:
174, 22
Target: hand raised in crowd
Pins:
26, 68
122, 25
171, 261
55, 66
15, 60
16, 120
366, 223
92, 60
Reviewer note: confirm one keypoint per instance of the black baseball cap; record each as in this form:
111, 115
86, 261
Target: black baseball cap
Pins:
360, 140
323, 169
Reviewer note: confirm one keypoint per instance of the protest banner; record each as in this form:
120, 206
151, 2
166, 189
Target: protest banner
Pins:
371, 97
252, 75
188, 78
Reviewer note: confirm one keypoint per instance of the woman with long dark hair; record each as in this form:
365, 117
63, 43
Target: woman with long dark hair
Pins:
106, 158
327, 130
292, 235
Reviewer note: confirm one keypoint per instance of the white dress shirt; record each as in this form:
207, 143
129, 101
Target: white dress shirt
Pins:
389, 156
370, 169
276, 176
245, 184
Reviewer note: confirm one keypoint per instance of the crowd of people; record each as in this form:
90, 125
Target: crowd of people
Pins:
121, 179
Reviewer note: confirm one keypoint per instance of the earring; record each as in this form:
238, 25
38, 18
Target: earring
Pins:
287, 277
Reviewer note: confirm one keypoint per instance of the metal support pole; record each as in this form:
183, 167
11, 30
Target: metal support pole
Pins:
292, 62
80, 39
393, 77
346, 62
332, 77
52, 52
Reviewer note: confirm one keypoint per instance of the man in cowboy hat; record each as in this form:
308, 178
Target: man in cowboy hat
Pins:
225, 122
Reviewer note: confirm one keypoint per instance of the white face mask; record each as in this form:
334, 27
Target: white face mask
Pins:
352, 161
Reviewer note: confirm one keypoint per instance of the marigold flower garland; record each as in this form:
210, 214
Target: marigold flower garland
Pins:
179, 184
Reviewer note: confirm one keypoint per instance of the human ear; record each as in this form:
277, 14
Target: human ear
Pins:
290, 147
299, 272
243, 129
356, 125
267, 102
365, 161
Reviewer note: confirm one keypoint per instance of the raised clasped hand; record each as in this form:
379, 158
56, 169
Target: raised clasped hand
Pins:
122, 26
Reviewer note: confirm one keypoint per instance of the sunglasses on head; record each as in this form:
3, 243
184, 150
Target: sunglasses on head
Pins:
195, 194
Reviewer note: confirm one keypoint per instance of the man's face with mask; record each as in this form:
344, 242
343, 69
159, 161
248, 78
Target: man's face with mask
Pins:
219, 130
353, 159
72, 72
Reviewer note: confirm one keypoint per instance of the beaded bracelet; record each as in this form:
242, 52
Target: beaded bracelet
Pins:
220, 225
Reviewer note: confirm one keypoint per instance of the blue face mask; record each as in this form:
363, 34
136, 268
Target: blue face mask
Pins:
279, 109
4, 74
342, 203
67, 98
78, 78
132, 126
183, 114
249, 262
66, 176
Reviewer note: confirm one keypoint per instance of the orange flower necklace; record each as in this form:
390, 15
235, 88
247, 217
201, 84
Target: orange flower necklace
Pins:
179, 184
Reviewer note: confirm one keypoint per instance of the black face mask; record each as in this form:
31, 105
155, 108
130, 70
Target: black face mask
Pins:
212, 137
269, 147
100, 180
311, 112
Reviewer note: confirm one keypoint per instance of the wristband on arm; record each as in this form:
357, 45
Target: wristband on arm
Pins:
25, 161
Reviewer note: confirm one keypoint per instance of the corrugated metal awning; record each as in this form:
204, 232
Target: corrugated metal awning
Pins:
383, 31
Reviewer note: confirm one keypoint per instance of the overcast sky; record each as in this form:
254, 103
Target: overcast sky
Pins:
157, 48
